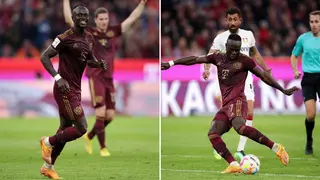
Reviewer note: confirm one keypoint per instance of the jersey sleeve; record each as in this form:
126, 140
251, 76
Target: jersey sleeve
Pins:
249, 63
253, 40
57, 44
213, 58
216, 45
114, 31
298, 48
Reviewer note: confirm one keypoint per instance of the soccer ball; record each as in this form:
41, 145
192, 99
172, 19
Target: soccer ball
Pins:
250, 164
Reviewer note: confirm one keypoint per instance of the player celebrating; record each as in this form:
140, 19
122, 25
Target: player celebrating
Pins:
101, 82
233, 21
75, 52
308, 44
232, 70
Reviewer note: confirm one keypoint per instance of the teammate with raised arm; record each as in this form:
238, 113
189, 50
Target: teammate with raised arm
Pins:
233, 21
101, 82
74, 47
232, 70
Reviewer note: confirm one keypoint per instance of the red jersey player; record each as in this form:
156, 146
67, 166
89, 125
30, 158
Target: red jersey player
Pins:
101, 82
75, 52
233, 68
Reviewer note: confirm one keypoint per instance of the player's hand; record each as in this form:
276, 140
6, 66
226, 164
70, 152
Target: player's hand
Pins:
206, 74
290, 91
143, 1
63, 85
165, 65
103, 64
297, 74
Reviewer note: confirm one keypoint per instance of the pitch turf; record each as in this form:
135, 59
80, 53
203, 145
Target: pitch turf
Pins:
187, 153
133, 143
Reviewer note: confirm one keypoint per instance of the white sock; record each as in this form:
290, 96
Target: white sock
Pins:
243, 139
49, 166
275, 147
46, 142
234, 163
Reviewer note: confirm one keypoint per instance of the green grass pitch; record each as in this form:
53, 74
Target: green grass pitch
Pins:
187, 153
133, 143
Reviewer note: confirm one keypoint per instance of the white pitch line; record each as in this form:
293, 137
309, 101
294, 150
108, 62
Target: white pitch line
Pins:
260, 157
260, 174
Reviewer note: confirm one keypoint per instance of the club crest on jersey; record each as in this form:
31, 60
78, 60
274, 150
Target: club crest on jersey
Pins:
237, 65
245, 40
110, 34
103, 42
78, 110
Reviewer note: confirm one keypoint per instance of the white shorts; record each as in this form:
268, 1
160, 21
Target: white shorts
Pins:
248, 88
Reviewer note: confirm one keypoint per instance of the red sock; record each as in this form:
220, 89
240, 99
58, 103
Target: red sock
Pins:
96, 128
56, 150
221, 148
106, 123
69, 134
99, 129
255, 135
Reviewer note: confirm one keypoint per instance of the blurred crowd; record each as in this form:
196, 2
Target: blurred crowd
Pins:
29, 26
189, 26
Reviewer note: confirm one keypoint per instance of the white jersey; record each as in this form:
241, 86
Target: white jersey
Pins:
247, 41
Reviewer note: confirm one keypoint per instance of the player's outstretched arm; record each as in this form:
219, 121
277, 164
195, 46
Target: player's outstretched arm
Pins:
67, 12
268, 79
136, 13
294, 65
255, 54
187, 61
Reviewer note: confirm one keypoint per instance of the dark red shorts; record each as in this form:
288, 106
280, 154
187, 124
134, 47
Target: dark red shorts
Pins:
102, 92
236, 108
69, 104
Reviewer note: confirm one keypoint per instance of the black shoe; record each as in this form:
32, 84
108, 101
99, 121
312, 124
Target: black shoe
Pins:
242, 152
309, 149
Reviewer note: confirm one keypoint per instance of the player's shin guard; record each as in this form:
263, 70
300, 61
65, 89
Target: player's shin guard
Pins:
220, 147
69, 134
98, 126
255, 135
309, 128
56, 150
243, 139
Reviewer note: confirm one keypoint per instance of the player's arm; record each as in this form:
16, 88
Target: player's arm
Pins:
67, 13
136, 13
268, 79
255, 54
187, 61
207, 66
94, 63
297, 50
46, 62
45, 57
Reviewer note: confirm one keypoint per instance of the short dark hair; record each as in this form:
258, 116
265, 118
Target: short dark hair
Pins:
317, 12
233, 10
78, 5
234, 37
100, 10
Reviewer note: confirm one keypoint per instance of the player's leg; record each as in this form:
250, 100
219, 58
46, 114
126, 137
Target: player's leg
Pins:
219, 126
97, 90
249, 92
239, 125
48, 169
309, 90
110, 112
